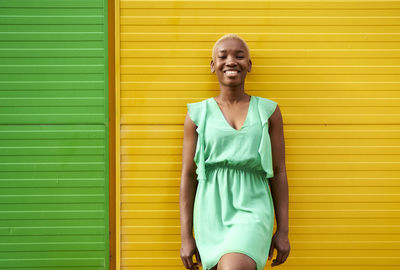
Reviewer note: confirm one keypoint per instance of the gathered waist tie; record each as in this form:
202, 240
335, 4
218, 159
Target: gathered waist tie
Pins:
214, 166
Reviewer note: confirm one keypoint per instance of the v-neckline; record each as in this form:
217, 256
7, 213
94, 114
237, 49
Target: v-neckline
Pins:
226, 121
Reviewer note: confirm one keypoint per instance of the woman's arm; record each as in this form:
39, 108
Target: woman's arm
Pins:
188, 177
279, 183
279, 189
187, 193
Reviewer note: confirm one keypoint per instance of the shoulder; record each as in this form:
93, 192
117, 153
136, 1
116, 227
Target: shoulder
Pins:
196, 110
266, 107
195, 107
266, 102
197, 104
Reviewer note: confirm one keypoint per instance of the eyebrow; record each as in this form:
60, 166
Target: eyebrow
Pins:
225, 50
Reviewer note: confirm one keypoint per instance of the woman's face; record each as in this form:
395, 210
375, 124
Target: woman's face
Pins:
231, 62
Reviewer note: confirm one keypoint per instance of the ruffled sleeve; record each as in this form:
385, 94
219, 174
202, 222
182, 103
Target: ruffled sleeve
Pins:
197, 112
266, 108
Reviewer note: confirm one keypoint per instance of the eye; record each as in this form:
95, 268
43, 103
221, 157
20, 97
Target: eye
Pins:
221, 56
240, 56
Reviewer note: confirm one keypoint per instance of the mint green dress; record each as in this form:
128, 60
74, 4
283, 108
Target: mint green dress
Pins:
233, 208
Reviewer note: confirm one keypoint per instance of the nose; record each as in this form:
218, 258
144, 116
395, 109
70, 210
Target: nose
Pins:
230, 61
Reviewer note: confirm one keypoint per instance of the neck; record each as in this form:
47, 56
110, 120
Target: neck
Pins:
234, 94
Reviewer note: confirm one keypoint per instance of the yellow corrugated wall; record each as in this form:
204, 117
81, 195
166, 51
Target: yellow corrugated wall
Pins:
333, 68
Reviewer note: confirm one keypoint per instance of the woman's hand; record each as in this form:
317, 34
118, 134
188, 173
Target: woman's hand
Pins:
280, 241
188, 248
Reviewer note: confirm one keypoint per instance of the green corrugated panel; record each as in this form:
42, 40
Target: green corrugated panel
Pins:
53, 135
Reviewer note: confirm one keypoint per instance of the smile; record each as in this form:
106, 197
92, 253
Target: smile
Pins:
230, 73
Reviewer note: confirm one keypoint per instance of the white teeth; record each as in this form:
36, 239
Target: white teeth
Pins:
231, 72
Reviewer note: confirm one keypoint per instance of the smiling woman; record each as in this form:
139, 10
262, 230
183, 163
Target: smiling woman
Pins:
227, 143
231, 59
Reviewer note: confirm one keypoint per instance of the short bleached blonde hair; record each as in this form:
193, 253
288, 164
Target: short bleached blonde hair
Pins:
229, 36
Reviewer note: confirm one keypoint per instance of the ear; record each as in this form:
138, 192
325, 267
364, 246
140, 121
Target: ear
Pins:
212, 66
250, 65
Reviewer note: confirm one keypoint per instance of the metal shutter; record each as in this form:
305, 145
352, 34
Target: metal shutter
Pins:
333, 68
53, 135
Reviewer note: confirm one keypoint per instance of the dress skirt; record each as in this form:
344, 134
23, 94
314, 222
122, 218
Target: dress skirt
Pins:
233, 212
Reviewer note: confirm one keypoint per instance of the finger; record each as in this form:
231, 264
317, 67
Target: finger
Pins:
278, 259
185, 262
189, 263
198, 259
275, 262
271, 251
284, 257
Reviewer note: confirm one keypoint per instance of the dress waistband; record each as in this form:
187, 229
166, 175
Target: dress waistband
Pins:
234, 167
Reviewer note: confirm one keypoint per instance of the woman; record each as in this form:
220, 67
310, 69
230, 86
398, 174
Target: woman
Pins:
235, 144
